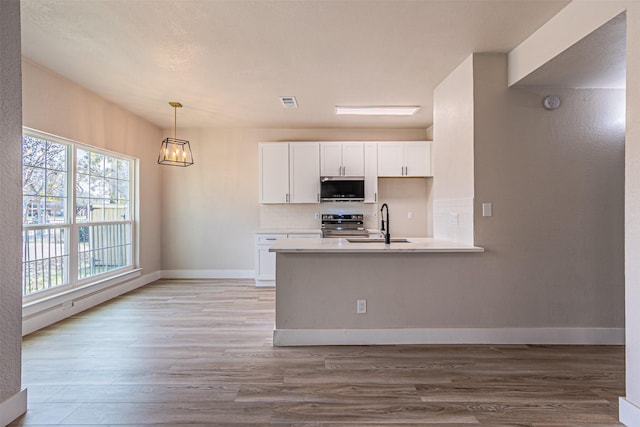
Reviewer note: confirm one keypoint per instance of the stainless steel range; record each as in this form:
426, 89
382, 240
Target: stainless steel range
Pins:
343, 225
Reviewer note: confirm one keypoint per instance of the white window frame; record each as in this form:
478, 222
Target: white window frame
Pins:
73, 226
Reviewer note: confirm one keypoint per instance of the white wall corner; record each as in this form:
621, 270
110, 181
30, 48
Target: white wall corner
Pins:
13, 407
629, 413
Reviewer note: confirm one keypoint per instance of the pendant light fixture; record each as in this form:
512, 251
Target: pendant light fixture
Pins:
173, 151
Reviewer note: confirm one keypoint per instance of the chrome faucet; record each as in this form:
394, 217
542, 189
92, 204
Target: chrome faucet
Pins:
387, 235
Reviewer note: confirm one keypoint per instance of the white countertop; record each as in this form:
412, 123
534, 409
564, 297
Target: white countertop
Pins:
289, 231
419, 244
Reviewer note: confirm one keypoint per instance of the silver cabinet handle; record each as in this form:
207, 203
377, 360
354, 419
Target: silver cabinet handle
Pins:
375, 196
318, 194
287, 197
270, 238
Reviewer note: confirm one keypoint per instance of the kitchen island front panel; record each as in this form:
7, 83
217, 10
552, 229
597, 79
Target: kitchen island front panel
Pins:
356, 296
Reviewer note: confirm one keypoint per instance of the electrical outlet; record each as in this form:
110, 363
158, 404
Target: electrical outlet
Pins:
487, 209
316, 215
409, 215
361, 306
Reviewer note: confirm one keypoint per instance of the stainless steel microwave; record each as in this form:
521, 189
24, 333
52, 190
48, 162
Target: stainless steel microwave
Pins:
342, 189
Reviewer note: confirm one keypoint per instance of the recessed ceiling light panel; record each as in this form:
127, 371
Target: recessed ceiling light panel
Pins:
289, 101
378, 111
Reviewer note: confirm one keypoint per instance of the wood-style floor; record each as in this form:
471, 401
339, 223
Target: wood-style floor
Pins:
199, 353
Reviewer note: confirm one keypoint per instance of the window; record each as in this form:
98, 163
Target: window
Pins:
62, 250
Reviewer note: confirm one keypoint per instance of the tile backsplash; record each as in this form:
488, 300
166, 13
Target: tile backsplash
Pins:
453, 219
303, 216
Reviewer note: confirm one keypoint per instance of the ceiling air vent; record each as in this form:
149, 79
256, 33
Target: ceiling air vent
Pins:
289, 101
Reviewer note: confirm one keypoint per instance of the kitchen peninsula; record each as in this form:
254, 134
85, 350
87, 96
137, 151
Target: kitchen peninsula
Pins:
324, 285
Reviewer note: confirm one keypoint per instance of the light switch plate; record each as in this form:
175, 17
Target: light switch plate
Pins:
454, 218
361, 306
487, 209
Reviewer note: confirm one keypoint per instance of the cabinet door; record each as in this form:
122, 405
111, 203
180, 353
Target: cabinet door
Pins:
390, 159
304, 172
353, 159
330, 159
266, 264
417, 159
273, 170
370, 173
265, 268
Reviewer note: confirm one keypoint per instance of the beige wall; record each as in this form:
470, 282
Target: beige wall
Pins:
58, 106
453, 134
408, 197
555, 178
10, 178
211, 209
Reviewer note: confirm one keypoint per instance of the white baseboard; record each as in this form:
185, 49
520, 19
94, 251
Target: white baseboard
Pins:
13, 407
629, 413
265, 283
592, 336
38, 315
208, 274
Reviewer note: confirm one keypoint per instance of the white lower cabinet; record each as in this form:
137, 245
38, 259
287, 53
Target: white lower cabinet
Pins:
266, 261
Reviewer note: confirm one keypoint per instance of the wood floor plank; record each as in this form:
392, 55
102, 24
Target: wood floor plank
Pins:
353, 393
199, 353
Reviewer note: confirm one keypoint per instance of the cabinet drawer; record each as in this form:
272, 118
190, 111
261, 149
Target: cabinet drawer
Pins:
269, 238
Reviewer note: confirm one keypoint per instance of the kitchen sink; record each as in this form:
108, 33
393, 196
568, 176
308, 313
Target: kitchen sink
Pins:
361, 240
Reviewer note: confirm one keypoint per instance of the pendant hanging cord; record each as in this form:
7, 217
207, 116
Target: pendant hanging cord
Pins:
175, 121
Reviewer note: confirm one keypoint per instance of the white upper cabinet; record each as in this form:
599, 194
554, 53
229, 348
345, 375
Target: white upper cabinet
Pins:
289, 172
304, 172
411, 159
417, 159
330, 159
273, 170
371, 173
342, 159
353, 159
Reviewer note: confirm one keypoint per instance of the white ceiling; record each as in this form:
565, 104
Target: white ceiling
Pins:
228, 61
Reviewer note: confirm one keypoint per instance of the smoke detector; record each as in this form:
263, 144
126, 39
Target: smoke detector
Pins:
289, 101
551, 102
